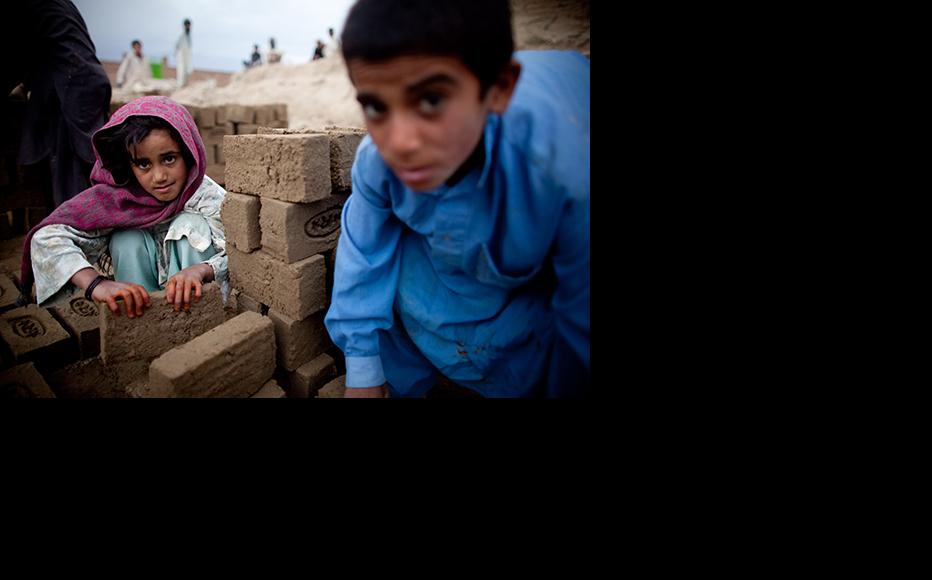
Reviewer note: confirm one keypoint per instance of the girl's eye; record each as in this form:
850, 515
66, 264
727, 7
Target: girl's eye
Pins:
142, 164
372, 111
430, 103
169, 159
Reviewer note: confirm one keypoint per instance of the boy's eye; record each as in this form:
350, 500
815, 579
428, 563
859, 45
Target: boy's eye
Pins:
142, 164
373, 111
430, 103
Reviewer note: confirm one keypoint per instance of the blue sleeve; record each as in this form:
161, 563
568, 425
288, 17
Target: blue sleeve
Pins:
366, 271
569, 374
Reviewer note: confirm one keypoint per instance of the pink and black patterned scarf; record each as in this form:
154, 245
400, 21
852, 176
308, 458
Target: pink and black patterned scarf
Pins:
108, 205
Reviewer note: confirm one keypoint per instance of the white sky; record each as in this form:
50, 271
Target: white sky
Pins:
222, 31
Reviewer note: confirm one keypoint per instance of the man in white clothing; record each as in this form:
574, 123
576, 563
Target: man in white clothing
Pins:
183, 63
332, 47
134, 68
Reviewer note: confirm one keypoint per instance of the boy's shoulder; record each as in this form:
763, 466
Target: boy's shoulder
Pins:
369, 168
548, 117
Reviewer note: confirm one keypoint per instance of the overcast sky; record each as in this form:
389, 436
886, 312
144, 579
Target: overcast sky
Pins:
222, 31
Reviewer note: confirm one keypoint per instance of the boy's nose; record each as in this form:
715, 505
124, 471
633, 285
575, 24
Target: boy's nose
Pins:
405, 137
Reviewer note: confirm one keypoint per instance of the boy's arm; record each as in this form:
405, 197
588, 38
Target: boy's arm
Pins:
365, 279
569, 365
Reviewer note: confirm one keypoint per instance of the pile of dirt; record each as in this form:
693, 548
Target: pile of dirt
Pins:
319, 93
551, 24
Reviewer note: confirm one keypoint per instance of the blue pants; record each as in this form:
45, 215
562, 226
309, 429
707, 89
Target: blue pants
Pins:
409, 373
135, 257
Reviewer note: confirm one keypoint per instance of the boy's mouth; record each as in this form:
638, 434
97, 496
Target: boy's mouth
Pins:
415, 174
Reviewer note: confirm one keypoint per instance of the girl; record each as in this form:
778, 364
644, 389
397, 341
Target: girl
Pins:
151, 210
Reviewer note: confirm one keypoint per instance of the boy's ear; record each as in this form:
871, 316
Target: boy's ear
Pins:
504, 86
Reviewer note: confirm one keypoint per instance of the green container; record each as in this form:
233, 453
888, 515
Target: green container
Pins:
156, 69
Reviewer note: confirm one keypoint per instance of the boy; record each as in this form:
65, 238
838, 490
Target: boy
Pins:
464, 253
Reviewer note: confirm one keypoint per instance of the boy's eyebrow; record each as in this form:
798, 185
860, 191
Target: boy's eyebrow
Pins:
439, 78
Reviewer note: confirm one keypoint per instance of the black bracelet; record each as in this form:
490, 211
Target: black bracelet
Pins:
92, 285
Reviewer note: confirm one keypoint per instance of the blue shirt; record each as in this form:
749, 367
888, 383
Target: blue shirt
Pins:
489, 277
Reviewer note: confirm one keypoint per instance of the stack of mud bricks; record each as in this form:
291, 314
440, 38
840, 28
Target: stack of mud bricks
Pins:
216, 122
25, 190
79, 349
285, 193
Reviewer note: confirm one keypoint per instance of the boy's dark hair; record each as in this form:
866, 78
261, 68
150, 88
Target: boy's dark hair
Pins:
135, 42
113, 145
478, 32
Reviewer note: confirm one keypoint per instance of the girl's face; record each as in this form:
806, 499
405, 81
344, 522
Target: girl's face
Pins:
159, 166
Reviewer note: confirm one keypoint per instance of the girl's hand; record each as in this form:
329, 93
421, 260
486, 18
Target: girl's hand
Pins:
184, 284
135, 298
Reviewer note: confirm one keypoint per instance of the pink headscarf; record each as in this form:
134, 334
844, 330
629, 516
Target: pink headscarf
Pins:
108, 205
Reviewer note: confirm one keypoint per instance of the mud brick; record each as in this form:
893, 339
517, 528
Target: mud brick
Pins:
240, 114
294, 231
296, 290
217, 173
246, 129
81, 318
246, 303
220, 115
234, 359
159, 329
299, 340
210, 153
293, 168
218, 153
92, 379
281, 112
240, 216
214, 136
278, 124
230, 128
270, 390
231, 308
8, 291
207, 117
335, 389
195, 113
24, 382
343, 145
265, 114
309, 377
32, 334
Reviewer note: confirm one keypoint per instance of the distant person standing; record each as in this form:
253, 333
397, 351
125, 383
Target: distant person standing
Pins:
318, 51
134, 67
332, 47
50, 53
274, 55
183, 55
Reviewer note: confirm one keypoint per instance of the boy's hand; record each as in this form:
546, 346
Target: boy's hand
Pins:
181, 286
379, 392
135, 298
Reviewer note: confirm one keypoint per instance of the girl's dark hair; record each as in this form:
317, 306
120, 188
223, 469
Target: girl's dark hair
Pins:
113, 145
478, 32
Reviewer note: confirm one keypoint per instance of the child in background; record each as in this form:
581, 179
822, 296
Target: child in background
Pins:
151, 209
464, 252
